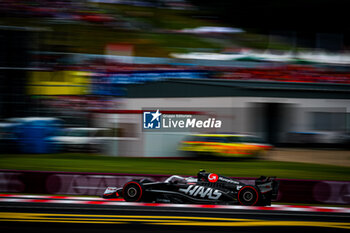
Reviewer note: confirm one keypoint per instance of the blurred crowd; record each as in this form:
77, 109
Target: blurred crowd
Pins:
280, 72
63, 10
286, 73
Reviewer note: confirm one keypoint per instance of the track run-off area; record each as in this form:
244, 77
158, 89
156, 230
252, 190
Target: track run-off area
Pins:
85, 214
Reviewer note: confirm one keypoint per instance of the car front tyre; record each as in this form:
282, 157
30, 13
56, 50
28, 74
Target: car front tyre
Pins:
133, 191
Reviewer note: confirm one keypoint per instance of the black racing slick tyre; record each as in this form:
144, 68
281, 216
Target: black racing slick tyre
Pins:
248, 195
133, 191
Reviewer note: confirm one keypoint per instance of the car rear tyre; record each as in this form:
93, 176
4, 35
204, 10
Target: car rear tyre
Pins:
132, 191
248, 195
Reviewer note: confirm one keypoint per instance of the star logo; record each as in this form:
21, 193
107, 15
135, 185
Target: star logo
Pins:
152, 120
156, 115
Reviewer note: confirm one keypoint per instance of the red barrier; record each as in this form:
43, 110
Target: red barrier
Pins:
74, 183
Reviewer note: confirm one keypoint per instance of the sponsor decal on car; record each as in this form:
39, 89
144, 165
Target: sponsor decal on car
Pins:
200, 191
228, 180
213, 177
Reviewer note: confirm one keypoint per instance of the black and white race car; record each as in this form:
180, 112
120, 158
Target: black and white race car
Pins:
206, 188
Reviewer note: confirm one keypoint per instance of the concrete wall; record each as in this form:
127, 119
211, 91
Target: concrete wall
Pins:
240, 114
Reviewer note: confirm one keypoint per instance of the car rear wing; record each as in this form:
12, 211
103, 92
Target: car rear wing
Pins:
269, 181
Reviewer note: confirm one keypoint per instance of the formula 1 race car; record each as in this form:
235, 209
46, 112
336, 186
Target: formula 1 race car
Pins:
206, 188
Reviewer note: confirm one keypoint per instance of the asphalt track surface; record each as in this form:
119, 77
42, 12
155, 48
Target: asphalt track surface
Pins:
39, 216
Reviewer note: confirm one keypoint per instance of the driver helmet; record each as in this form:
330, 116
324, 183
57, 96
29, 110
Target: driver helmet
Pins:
201, 174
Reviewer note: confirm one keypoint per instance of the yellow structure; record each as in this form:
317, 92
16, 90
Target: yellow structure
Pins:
66, 82
226, 145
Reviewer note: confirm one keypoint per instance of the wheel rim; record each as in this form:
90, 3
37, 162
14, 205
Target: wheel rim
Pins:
132, 192
248, 196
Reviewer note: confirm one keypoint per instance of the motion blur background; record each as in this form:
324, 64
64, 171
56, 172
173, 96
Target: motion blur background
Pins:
75, 75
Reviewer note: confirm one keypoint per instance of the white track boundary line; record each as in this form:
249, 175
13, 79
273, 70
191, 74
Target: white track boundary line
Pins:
115, 202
